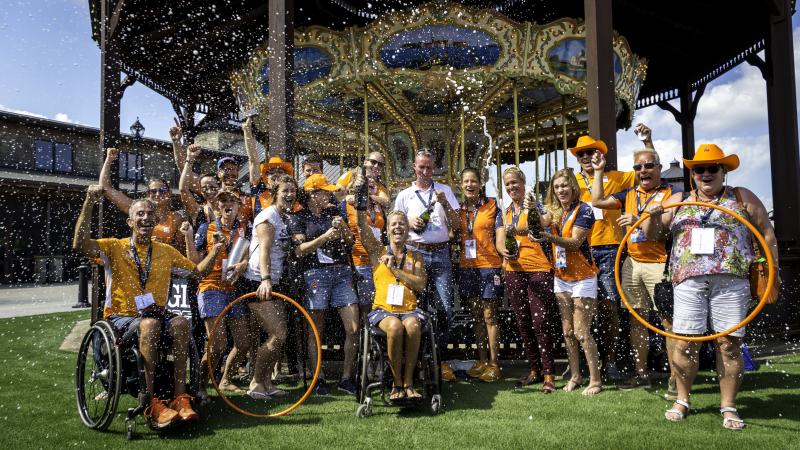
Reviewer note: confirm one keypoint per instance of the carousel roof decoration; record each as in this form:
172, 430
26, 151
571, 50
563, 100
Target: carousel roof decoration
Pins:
419, 70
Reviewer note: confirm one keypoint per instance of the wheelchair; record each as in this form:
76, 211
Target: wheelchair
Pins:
373, 351
110, 365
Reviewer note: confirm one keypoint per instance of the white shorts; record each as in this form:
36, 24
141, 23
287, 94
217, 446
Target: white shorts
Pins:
723, 297
586, 288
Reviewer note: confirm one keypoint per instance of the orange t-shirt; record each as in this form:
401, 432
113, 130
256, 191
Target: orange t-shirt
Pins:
376, 221
483, 222
204, 242
580, 264
636, 201
605, 230
168, 230
532, 257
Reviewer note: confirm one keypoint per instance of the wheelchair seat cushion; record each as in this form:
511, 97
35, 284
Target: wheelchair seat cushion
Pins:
378, 314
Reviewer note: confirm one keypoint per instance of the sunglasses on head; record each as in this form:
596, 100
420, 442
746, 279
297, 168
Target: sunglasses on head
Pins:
647, 165
699, 170
162, 190
582, 153
376, 163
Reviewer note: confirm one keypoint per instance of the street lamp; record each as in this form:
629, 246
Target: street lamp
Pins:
137, 129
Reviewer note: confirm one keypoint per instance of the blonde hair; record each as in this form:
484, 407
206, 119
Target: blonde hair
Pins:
516, 171
552, 204
396, 212
652, 151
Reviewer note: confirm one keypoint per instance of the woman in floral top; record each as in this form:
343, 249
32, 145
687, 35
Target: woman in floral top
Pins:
711, 256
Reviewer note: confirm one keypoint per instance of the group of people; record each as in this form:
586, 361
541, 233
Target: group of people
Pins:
392, 266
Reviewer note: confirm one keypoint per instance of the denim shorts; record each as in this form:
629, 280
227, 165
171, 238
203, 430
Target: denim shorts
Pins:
378, 314
366, 285
329, 287
212, 302
604, 257
480, 283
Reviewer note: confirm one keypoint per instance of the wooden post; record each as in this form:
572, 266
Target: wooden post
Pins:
366, 121
281, 83
600, 76
462, 160
516, 126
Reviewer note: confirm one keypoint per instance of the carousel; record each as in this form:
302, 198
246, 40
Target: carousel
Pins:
472, 86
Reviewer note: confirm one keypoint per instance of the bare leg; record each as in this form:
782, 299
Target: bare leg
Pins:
667, 324
179, 329
585, 309
565, 305
394, 342
730, 368
479, 328
149, 330
413, 336
685, 362
318, 317
218, 342
272, 318
240, 329
349, 315
492, 330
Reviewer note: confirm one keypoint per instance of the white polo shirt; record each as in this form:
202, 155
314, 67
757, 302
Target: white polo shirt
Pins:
413, 201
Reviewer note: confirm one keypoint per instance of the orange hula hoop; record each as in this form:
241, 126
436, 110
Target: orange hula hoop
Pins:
311, 385
748, 319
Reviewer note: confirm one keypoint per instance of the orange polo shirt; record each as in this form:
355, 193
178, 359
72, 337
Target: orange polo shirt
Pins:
531, 255
635, 201
605, 230
483, 233
204, 242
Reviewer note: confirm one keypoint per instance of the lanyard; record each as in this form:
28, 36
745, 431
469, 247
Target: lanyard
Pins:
565, 219
706, 215
515, 217
402, 261
586, 181
229, 244
143, 274
471, 223
640, 209
430, 197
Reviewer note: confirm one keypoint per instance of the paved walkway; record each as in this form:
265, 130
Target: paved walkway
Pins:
28, 300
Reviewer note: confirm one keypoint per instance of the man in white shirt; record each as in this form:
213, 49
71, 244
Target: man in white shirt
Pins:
431, 210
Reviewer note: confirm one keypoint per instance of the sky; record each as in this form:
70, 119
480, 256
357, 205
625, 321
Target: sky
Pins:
49, 67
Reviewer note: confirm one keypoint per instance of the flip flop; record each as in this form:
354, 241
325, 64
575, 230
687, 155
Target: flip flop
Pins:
258, 395
572, 385
398, 393
592, 390
275, 392
727, 422
678, 415
412, 393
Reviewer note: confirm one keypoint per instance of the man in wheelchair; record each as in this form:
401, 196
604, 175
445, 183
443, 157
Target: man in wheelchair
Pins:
398, 273
138, 274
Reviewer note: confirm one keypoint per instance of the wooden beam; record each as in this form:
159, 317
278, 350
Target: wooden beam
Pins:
600, 76
281, 83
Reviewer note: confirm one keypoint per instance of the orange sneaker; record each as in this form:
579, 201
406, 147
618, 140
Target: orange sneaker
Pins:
183, 405
159, 414
447, 373
490, 374
477, 369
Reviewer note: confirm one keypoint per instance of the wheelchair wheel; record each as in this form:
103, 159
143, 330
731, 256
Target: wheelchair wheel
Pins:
364, 361
97, 377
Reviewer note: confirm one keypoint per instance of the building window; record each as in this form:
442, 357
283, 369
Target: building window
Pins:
53, 156
130, 166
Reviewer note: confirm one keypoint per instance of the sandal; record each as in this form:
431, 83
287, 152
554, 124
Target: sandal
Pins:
412, 393
398, 393
731, 423
258, 395
678, 415
549, 385
592, 390
573, 384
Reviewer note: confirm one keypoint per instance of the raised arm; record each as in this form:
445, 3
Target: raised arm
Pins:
599, 199
253, 161
115, 196
451, 214
646, 135
82, 240
306, 248
184, 185
192, 253
205, 266
371, 245
176, 136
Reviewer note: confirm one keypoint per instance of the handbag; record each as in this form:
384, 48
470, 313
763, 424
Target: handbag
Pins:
759, 271
663, 294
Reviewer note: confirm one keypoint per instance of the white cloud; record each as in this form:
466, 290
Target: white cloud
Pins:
64, 117
738, 106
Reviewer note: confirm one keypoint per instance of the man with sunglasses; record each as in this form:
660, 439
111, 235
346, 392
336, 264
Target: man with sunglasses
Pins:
645, 266
426, 198
605, 238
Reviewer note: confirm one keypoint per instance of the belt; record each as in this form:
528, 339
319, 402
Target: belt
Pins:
429, 247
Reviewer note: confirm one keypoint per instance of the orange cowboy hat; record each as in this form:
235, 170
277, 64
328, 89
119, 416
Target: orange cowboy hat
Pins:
587, 142
277, 162
711, 154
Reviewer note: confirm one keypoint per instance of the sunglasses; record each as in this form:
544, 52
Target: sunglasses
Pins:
376, 163
703, 169
582, 153
648, 166
162, 190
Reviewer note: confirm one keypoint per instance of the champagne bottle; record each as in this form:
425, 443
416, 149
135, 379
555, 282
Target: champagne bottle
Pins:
534, 219
362, 194
426, 215
512, 247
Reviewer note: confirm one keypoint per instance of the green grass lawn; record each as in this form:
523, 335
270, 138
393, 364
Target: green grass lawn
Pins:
37, 410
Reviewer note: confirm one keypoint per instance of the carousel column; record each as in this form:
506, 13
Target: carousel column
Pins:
685, 117
600, 76
784, 157
281, 84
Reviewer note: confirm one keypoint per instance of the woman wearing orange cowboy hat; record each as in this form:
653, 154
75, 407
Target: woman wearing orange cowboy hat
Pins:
710, 262
605, 237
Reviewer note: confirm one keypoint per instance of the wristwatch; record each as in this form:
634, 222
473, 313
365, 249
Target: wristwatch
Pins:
266, 278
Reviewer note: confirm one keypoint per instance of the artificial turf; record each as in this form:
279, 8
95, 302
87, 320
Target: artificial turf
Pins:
37, 410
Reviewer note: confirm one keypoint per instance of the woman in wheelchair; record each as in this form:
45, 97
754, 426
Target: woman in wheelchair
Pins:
137, 276
398, 273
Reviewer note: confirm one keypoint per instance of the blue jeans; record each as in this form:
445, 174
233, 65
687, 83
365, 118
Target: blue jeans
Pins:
329, 287
604, 256
365, 284
438, 295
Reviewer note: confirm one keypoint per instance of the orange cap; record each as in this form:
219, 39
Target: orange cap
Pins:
318, 181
